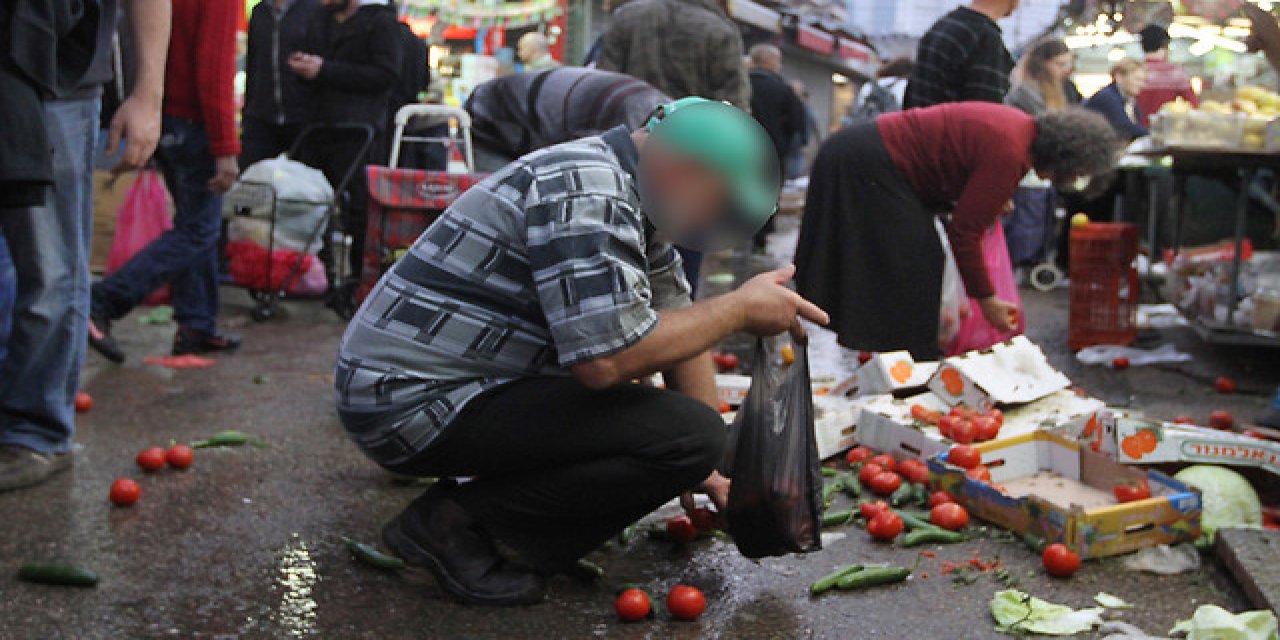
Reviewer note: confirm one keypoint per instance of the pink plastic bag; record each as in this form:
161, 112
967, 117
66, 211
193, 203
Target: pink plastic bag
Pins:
143, 216
975, 332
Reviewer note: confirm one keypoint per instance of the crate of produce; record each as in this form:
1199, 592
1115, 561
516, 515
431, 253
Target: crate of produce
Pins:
1104, 290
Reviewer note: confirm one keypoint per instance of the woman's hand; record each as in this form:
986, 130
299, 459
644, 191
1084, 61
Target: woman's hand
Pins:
1001, 314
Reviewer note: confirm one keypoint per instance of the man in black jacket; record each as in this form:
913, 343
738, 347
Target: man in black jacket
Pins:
275, 100
776, 107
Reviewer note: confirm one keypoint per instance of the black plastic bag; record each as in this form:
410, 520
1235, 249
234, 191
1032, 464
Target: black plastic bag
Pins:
775, 500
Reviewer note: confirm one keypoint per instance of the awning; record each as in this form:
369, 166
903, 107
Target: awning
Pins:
754, 14
854, 51
815, 40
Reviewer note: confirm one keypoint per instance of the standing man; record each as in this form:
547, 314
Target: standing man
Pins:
49, 240
962, 57
778, 109
197, 155
682, 47
534, 52
276, 101
1166, 81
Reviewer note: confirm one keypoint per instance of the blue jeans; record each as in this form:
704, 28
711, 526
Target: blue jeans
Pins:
186, 256
49, 247
8, 294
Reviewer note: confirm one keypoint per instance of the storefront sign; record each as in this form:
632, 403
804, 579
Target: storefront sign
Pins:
815, 40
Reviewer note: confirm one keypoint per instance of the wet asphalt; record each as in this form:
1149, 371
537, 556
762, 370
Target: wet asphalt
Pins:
245, 544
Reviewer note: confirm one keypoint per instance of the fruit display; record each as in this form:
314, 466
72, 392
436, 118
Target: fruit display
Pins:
1243, 123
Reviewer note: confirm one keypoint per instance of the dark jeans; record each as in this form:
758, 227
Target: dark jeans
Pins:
186, 256
559, 468
260, 139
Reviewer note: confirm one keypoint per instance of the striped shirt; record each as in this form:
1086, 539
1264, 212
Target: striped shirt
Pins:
961, 58
543, 265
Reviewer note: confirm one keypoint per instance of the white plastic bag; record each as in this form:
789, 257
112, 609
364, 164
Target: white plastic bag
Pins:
302, 196
953, 304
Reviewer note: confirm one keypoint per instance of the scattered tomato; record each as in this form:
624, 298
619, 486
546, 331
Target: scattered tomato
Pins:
940, 497
885, 526
925, 414
950, 516
704, 519
965, 456
869, 471
1131, 492
125, 492
997, 415
961, 411
980, 473
632, 605
681, 530
985, 428
885, 483
857, 454
180, 456
870, 510
947, 423
724, 407
865, 356
84, 402
886, 462
1184, 420
1120, 363
150, 459
964, 432
1059, 561
725, 361
1224, 385
1222, 419
914, 470
686, 603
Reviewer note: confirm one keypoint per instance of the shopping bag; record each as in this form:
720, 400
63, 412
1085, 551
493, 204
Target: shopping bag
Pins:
143, 217
953, 305
775, 499
975, 332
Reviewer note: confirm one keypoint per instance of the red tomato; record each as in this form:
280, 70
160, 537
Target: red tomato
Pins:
681, 530
1120, 363
949, 516
864, 356
965, 456
1059, 561
686, 603
924, 414
914, 470
980, 473
869, 471
180, 456
704, 519
1225, 385
964, 432
725, 361
1184, 420
961, 411
150, 459
724, 407
870, 510
632, 605
885, 526
857, 454
997, 415
885, 483
886, 462
125, 492
1127, 492
940, 497
947, 424
84, 402
1222, 419
985, 428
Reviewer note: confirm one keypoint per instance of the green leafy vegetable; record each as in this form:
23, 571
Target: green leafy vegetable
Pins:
1229, 499
1019, 612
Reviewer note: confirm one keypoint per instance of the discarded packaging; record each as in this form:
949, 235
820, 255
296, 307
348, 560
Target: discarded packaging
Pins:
1013, 372
1105, 355
893, 372
1133, 439
1164, 559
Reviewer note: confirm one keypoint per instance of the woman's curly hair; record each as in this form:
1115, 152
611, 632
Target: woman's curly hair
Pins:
1074, 142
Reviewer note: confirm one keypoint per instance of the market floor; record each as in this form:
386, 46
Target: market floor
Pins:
246, 543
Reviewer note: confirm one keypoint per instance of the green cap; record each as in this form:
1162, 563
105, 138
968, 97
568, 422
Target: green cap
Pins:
732, 144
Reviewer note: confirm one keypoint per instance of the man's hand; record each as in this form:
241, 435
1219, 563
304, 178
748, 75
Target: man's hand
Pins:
768, 307
306, 65
1002, 315
716, 487
137, 122
226, 170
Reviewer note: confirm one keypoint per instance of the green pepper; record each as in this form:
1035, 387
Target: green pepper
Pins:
931, 535
829, 472
853, 486
1034, 542
873, 576
57, 574
229, 438
825, 583
367, 554
919, 494
628, 533
901, 494
833, 518
913, 521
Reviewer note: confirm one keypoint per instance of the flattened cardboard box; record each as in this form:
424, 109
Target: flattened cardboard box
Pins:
1132, 439
1012, 372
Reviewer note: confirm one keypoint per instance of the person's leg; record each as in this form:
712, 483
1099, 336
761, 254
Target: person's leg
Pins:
8, 292
49, 246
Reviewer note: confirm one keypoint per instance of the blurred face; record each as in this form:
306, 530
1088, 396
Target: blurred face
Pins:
1131, 84
1060, 66
683, 199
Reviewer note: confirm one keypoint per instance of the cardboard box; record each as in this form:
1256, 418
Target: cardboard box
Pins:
885, 422
732, 388
1132, 439
893, 372
1012, 372
835, 423
1048, 485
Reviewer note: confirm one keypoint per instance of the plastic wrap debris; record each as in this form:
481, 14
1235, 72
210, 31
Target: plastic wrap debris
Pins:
1019, 612
1109, 601
1105, 354
1116, 630
1211, 622
1159, 316
1164, 559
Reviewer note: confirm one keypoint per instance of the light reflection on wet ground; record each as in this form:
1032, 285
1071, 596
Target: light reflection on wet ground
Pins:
296, 611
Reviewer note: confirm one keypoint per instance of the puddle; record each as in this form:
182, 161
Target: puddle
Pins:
296, 611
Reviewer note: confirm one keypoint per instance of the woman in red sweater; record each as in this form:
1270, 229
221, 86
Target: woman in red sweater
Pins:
869, 252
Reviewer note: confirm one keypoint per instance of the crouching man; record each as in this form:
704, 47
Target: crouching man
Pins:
503, 346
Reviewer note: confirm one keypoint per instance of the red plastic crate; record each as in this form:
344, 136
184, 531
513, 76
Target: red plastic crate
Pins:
1104, 285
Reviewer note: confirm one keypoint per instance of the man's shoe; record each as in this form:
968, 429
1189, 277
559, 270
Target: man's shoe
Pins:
101, 341
23, 467
436, 534
190, 341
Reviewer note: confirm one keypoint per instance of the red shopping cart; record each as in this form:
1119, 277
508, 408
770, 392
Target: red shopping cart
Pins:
404, 201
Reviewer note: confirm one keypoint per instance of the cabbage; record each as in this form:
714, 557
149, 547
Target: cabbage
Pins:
1211, 622
1019, 612
1229, 499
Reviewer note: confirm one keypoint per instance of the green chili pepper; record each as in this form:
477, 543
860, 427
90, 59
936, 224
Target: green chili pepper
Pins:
915, 522
57, 574
229, 438
833, 518
628, 533
900, 495
827, 582
367, 554
829, 490
931, 535
853, 486
873, 576
829, 472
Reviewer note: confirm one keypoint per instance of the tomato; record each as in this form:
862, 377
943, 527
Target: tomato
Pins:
125, 492
985, 428
84, 402
885, 483
980, 473
947, 424
950, 516
1225, 385
681, 530
1184, 420
865, 356
885, 526
632, 605
725, 361
886, 462
925, 414
940, 497
857, 454
1120, 363
724, 407
704, 519
965, 456
180, 456
1060, 561
869, 471
1222, 419
870, 510
964, 432
914, 470
961, 411
686, 603
150, 459
997, 415
1129, 492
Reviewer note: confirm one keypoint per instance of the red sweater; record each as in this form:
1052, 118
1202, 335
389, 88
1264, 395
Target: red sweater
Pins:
970, 154
1166, 82
199, 81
